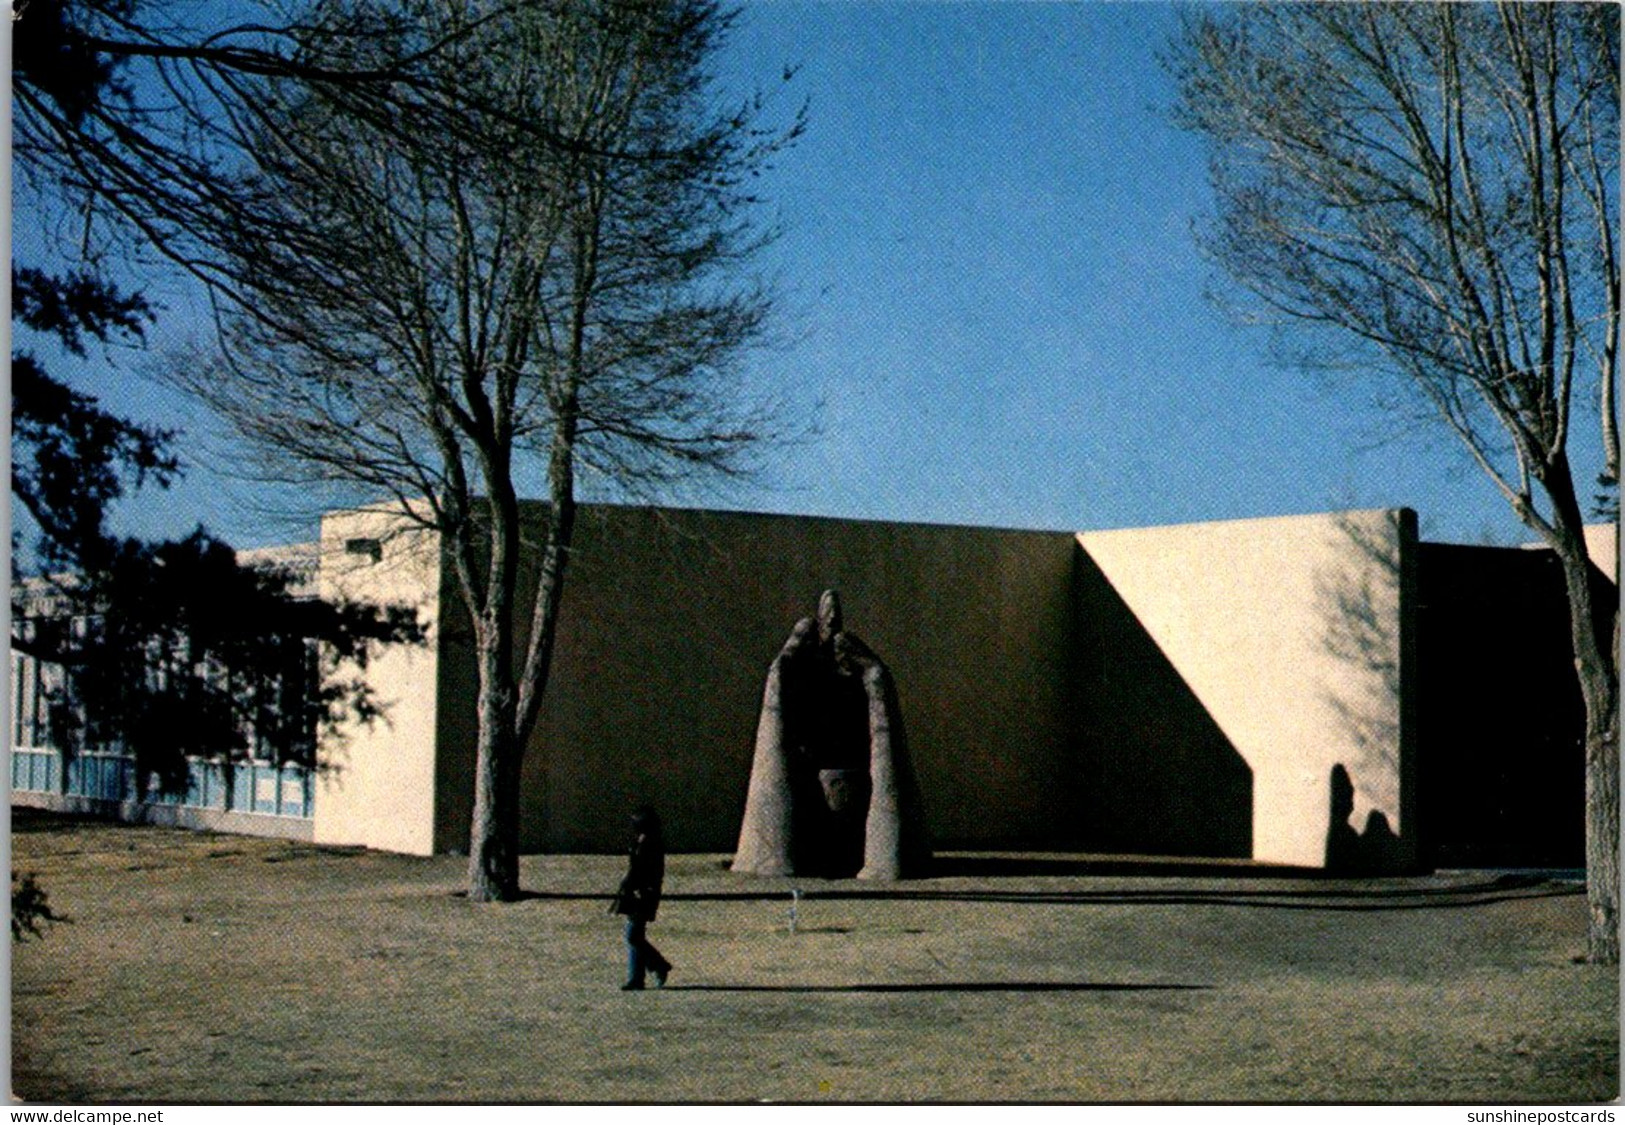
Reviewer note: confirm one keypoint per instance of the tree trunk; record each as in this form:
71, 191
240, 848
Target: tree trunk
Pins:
493, 854
544, 625
1602, 832
1600, 690
493, 848
1596, 668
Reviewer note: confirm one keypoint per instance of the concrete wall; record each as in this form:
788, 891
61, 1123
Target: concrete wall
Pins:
1602, 544
1157, 775
1184, 690
670, 620
1262, 655
376, 784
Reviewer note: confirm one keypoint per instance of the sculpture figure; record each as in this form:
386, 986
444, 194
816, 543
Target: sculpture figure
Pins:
831, 793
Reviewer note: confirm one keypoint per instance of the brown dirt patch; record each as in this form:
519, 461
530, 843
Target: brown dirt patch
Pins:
205, 968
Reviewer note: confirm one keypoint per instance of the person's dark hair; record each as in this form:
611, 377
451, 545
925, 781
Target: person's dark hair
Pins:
645, 819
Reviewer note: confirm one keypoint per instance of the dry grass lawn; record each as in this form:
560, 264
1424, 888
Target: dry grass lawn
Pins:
206, 968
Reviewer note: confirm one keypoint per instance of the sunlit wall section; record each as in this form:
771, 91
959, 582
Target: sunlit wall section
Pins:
1294, 636
376, 784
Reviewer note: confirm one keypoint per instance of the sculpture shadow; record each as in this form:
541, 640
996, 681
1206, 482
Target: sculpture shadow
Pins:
1158, 776
1349, 851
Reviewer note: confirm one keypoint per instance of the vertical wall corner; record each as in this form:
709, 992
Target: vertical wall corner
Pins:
1411, 851
376, 783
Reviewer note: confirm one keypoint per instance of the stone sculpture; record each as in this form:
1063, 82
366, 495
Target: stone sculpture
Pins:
831, 793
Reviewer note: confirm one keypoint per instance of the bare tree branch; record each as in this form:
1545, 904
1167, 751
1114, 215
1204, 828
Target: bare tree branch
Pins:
1433, 189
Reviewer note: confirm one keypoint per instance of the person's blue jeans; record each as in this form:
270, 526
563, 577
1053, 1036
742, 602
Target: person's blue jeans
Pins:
641, 957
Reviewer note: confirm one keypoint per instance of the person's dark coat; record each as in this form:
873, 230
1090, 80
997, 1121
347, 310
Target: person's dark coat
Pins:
639, 895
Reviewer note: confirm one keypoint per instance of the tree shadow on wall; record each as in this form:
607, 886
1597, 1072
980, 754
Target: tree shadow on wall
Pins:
1361, 605
1158, 776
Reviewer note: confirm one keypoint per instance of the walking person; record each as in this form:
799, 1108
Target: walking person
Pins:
639, 898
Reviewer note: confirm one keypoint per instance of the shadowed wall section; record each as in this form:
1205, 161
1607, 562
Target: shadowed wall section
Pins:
1157, 775
671, 618
1503, 724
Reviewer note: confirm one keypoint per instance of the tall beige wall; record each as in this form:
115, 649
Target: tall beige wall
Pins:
376, 784
1602, 544
1177, 690
1292, 636
670, 620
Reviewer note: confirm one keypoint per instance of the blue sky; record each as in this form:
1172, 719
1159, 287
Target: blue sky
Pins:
991, 284
989, 239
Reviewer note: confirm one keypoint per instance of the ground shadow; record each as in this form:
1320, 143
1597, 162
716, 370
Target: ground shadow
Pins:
944, 986
1019, 866
46, 822
1336, 897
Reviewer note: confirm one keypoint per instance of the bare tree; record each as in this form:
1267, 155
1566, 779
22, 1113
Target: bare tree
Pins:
131, 113
162, 650
1432, 191
432, 313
